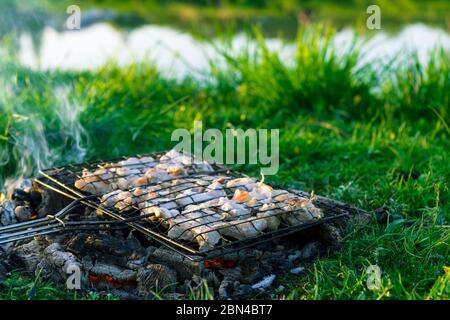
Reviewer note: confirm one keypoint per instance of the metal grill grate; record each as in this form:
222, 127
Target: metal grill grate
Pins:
179, 211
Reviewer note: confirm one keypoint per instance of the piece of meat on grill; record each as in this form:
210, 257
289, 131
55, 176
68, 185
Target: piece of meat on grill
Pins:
198, 195
195, 226
299, 209
106, 179
271, 213
189, 163
246, 183
242, 229
159, 214
231, 210
141, 164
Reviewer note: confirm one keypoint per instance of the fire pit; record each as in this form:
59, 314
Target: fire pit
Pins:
164, 221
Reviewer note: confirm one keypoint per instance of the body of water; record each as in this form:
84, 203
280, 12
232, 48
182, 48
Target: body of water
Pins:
180, 54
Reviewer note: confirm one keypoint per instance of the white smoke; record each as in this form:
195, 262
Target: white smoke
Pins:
31, 149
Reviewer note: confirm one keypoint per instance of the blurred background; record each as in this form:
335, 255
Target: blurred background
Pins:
139, 30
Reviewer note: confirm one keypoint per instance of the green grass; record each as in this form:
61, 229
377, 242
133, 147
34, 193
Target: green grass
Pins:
344, 133
19, 287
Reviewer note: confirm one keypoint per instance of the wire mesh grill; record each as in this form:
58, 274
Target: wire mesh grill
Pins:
198, 209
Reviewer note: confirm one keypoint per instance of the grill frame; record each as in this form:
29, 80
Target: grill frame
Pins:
52, 180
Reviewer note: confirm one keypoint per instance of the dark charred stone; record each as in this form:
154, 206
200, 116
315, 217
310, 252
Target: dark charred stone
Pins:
382, 214
361, 219
123, 252
118, 274
274, 261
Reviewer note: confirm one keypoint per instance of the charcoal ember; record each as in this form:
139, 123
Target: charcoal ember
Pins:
123, 252
104, 275
58, 264
184, 267
156, 277
117, 273
274, 261
250, 270
26, 256
7, 215
229, 283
